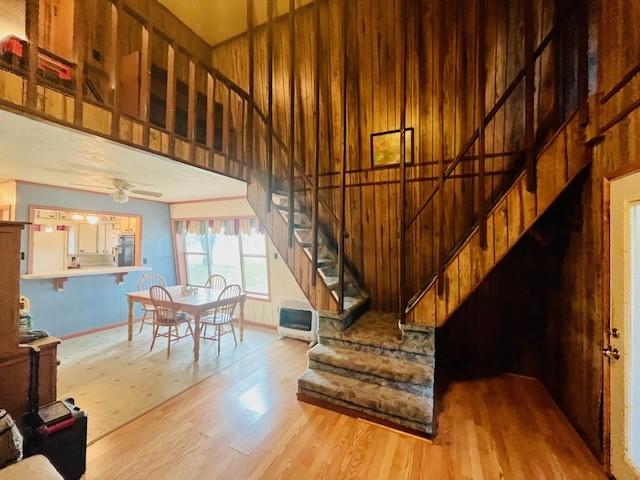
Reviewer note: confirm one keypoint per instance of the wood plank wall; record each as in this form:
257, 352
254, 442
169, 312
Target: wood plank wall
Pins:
374, 96
544, 310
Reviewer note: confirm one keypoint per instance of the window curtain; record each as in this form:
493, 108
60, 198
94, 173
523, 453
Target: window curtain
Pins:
246, 226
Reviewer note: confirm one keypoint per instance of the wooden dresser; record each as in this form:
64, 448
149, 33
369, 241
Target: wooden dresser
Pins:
14, 358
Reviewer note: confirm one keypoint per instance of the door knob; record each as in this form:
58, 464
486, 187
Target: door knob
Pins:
611, 353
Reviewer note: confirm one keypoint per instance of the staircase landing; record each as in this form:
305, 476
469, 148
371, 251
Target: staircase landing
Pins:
373, 369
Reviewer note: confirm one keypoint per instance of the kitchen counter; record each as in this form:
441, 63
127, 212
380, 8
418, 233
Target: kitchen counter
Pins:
60, 277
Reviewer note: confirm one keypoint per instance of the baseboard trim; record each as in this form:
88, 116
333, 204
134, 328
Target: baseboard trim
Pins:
95, 330
363, 416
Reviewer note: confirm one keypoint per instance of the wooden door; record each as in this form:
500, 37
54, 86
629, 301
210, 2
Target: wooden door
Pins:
622, 347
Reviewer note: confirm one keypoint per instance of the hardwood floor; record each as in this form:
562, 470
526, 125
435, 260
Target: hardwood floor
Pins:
245, 422
116, 381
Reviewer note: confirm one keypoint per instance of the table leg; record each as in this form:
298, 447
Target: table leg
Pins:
196, 337
242, 320
130, 320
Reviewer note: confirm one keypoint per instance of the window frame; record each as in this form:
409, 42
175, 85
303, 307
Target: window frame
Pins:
184, 253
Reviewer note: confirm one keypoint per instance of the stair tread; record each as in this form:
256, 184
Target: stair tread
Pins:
378, 329
417, 408
395, 369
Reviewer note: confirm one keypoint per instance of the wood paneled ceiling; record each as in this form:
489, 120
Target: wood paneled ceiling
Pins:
218, 20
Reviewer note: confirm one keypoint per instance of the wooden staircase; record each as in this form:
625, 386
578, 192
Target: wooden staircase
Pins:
323, 295
563, 157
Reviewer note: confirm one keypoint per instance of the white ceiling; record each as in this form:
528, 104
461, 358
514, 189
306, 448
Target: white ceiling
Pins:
41, 152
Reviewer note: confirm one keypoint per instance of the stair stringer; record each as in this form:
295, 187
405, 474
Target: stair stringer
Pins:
319, 296
563, 157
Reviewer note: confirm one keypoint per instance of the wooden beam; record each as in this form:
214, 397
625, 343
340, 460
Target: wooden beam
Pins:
343, 167
116, 12
145, 82
583, 62
403, 162
481, 101
32, 29
191, 111
170, 119
79, 44
249, 162
269, 104
316, 170
292, 115
441, 165
211, 117
529, 119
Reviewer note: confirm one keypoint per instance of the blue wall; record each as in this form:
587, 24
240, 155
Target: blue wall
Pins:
91, 302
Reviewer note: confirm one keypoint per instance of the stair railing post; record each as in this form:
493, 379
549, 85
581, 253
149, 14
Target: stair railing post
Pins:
249, 162
33, 35
481, 85
343, 168
292, 118
270, 103
529, 147
583, 62
441, 164
403, 165
79, 42
316, 172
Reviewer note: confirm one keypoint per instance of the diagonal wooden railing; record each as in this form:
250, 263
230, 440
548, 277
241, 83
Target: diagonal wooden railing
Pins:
437, 199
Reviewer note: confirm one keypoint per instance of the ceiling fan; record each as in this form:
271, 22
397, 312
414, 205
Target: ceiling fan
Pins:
122, 189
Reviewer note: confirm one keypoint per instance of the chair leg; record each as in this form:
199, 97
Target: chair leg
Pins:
169, 343
205, 330
219, 336
144, 317
155, 334
189, 328
233, 330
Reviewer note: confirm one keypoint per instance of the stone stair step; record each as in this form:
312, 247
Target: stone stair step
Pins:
375, 398
397, 370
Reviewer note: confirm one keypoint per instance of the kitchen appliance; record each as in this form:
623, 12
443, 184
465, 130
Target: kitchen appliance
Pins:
297, 319
126, 250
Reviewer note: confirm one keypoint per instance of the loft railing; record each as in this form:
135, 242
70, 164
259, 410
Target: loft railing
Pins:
183, 108
438, 199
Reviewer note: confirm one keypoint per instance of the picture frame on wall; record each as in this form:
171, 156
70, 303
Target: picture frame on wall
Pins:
385, 148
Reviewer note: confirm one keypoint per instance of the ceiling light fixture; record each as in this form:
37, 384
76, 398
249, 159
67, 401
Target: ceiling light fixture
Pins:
120, 196
77, 217
92, 219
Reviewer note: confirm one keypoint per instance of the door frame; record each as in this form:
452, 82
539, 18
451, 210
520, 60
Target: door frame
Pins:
629, 169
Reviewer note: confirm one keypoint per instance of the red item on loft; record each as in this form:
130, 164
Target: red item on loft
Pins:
12, 46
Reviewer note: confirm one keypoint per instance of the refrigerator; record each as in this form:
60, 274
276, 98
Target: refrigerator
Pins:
126, 250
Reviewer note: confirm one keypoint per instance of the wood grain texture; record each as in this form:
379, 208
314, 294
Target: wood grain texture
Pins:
374, 104
245, 422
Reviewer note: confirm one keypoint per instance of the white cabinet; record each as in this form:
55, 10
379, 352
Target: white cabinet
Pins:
87, 238
72, 242
107, 240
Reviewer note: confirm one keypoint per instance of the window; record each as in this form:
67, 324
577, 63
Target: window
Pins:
235, 249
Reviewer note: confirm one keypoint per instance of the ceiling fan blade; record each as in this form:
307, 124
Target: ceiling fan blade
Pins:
92, 186
146, 193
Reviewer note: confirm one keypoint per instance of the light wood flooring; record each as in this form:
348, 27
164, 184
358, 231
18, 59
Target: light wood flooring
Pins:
115, 381
245, 422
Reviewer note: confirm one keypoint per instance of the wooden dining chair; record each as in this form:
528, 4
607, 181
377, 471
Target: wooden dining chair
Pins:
216, 281
147, 281
223, 315
166, 315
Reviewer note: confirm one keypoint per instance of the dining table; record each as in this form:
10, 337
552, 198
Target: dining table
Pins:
195, 301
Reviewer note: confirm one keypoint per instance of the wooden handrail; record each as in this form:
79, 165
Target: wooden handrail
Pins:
527, 73
345, 133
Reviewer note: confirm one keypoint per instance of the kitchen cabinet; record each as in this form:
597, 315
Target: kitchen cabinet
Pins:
128, 225
107, 238
87, 238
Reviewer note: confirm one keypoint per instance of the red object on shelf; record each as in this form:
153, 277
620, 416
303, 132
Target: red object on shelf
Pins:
47, 62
